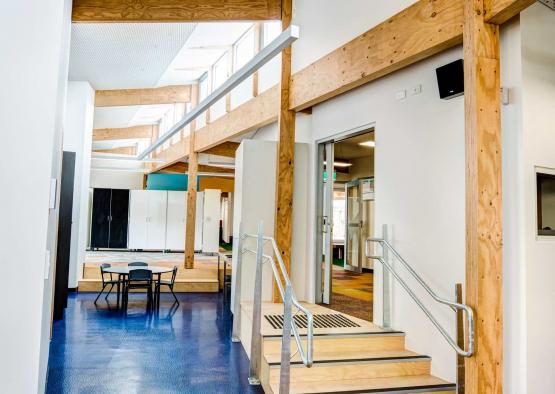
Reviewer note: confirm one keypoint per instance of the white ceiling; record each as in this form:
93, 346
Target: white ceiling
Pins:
144, 55
205, 46
124, 55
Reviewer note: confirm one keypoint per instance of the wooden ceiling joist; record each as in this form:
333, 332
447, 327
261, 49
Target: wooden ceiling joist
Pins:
226, 149
143, 131
255, 113
182, 168
125, 150
500, 11
99, 11
125, 97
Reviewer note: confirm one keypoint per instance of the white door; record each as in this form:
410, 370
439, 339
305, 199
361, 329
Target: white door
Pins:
138, 214
211, 221
175, 227
157, 209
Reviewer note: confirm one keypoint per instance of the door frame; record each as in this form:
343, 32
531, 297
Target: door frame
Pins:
317, 241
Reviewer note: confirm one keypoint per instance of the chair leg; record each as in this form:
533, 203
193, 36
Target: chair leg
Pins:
174, 296
109, 291
99, 294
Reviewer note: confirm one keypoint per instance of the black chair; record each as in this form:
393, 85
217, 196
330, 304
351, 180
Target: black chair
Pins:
168, 283
137, 264
105, 283
139, 279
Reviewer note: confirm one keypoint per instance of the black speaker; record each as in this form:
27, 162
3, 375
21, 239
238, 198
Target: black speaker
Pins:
450, 79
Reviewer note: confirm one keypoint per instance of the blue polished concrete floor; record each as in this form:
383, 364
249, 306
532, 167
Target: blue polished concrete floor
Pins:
96, 349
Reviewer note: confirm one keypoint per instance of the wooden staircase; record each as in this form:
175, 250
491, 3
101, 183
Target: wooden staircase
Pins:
366, 359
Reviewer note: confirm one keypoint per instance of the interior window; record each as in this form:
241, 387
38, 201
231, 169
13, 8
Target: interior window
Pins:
546, 203
244, 49
270, 31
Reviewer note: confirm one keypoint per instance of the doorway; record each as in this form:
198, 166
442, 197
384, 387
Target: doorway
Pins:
345, 204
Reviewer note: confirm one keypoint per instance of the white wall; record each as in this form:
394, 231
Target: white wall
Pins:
538, 149
514, 333
419, 180
527, 69
110, 179
78, 138
254, 200
328, 24
32, 114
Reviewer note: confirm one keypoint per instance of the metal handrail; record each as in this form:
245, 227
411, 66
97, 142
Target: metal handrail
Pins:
454, 305
289, 300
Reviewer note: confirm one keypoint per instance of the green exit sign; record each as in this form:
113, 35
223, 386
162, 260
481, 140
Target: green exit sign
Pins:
326, 175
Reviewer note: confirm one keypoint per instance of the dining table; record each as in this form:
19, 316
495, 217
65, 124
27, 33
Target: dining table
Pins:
123, 271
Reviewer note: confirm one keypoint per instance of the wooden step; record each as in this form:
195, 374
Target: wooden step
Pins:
402, 384
330, 347
348, 370
181, 285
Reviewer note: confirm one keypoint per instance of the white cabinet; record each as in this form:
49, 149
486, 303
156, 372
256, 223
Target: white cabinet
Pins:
147, 219
157, 210
211, 221
157, 220
138, 214
177, 213
199, 219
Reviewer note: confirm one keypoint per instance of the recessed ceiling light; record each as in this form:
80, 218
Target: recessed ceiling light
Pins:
341, 164
369, 144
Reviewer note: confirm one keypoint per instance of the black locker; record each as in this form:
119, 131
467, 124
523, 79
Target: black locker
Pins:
64, 234
109, 218
119, 218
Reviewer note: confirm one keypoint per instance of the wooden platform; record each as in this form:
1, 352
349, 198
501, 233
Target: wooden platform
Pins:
365, 358
203, 278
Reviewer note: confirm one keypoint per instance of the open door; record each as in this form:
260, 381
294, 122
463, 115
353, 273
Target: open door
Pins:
353, 227
325, 223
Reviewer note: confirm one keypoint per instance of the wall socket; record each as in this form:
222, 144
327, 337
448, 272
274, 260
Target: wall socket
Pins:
415, 90
401, 95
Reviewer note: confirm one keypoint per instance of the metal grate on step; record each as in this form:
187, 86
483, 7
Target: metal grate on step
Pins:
320, 321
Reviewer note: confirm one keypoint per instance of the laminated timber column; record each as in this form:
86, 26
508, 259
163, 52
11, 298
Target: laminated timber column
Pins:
285, 155
483, 199
191, 192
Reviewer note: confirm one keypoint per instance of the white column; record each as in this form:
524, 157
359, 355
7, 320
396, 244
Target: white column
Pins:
78, 138
34, 42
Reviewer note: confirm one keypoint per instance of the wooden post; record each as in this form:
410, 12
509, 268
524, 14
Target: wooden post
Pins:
285, 155
257, 47
191, 192
484, 291
460, 339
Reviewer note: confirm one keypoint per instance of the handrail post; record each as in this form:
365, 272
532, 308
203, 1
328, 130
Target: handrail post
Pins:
285, 368
256, 337
236, 331
386, 284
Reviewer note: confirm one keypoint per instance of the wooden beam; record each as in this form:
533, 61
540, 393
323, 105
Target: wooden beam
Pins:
144, 131
191, 191
257, 46
484, 254
255, 113
283, 222
227, 149
124, 97
500, 11
174, 10
416, 33
183, 168
126, 150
